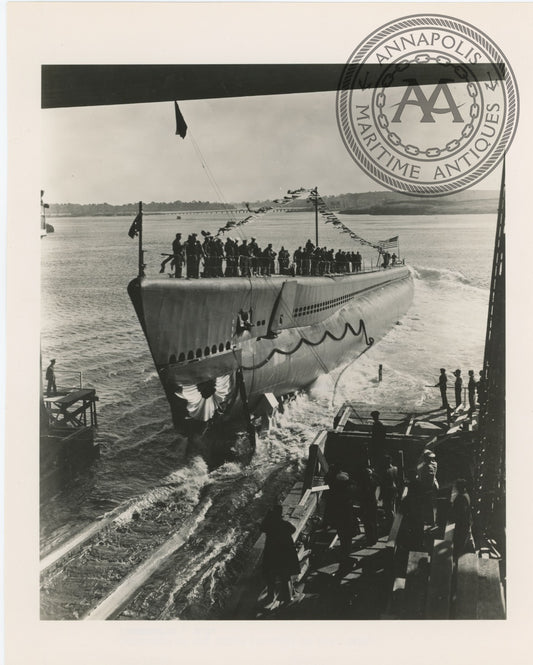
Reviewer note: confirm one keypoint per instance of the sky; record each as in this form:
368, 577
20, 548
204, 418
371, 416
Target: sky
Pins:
254, 147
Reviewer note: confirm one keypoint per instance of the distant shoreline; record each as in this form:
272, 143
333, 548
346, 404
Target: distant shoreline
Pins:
366, 203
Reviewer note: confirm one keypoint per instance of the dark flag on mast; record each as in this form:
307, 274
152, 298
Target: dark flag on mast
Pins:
136, 226
181, 125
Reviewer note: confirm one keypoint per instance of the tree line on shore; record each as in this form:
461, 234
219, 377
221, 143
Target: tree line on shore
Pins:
378, 203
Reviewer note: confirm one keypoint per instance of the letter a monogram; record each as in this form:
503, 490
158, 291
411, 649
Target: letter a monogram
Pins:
427, 106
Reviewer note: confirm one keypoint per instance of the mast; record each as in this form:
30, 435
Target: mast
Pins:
316, 215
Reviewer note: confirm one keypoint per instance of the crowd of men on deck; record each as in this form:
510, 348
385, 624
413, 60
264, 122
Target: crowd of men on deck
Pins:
246, 259
473, 387
381, 480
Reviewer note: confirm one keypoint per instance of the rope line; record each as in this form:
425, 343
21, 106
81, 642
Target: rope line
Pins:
362, 329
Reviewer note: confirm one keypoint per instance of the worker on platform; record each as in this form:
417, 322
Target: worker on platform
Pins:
369, 505
442, 384
458, 387
280, 559
427, 477
389, 488
411, 535
341, 515
463, 542
481, 388
51, 388
377, 441
471, 391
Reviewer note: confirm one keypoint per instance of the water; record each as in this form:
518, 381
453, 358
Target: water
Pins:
156, 479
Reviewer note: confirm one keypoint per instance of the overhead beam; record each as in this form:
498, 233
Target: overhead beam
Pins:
97, 85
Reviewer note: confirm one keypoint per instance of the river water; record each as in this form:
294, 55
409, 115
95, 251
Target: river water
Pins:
155, 479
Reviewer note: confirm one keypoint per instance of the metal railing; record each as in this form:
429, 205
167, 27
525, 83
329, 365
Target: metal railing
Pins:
66, 381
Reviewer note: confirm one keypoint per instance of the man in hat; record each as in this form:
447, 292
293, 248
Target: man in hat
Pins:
51, 379
255, 256
377, 440
427, 477
194, 252
463, 541
471, 391
178, 255
442, 383
341, 514
176, 262
458, 387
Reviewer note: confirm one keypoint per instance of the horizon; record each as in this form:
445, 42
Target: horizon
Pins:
231, 203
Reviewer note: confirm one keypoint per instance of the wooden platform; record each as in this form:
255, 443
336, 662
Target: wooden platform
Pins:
384, 580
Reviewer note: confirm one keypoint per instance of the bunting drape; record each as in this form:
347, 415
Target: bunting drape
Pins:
312, 196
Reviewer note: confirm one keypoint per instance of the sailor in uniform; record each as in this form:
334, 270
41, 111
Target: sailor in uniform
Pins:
458, 387
443, 380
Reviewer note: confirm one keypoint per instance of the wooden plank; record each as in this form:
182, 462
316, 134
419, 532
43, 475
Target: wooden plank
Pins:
322, 460
490, 597
415, 586
467, 587
440, 580
410, 425
344, 418
67, 400
305, 496
310, 467
319, 488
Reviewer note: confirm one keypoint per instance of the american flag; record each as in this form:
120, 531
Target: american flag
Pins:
391, 243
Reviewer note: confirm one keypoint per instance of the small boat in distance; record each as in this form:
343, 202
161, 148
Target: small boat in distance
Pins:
222, 345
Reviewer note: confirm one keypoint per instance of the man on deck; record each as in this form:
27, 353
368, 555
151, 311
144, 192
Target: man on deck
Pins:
442, 383
51, 379
458, 387
178, 252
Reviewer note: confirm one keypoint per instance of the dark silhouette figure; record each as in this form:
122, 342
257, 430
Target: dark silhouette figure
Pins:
463, 541
389, 487
427, 477
458, 387
280, 559
481, 389
411, 534
341, 514
471, 391
377, 441
51, 388
369, 505
178, 255
194, 252
442, 383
